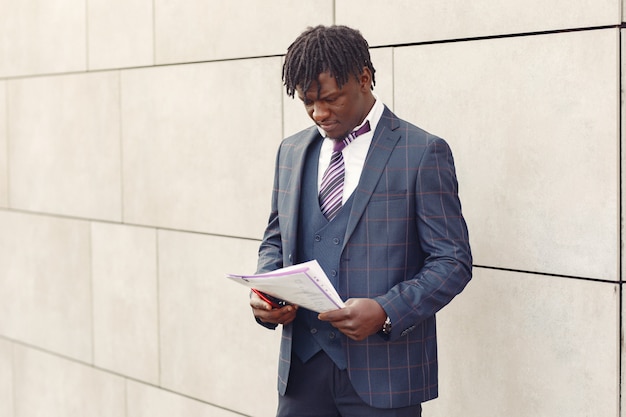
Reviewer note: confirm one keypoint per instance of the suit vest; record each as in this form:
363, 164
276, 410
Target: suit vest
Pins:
322, 240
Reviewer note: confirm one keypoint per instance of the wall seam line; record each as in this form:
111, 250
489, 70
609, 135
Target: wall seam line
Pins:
396, 45
15, 343
87, 35
621, 220
157, 238
121, 143
7, 143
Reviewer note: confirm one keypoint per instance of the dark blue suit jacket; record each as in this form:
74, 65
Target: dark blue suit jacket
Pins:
406, 245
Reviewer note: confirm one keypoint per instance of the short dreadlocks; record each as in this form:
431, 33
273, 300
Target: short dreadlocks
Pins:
340, 50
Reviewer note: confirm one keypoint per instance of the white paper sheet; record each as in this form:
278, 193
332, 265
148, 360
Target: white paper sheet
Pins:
305, 285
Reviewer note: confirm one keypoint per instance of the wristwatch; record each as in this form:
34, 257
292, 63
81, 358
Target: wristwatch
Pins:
387, 326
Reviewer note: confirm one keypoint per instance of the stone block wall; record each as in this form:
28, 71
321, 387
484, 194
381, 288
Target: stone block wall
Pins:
137, 143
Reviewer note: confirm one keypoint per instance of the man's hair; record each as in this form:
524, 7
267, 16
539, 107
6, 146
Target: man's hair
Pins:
340, 50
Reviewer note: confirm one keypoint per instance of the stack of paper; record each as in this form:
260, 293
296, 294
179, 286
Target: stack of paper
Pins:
305, 285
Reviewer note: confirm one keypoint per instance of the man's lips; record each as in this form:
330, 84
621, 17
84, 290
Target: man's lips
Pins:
328, 125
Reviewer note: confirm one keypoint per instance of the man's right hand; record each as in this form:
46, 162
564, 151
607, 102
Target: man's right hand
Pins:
264, 312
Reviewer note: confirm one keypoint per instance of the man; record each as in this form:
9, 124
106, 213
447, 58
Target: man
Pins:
390, 235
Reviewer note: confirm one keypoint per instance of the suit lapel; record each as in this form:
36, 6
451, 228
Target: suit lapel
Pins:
294, 186
385, 139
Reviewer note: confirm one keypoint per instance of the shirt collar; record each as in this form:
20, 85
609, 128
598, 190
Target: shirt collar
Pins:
373, 117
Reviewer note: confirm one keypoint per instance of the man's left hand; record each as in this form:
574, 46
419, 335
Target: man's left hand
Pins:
360, 318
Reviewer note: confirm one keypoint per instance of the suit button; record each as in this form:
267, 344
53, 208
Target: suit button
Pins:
331, 335
336, 241
333, 273
313, 330
318, 238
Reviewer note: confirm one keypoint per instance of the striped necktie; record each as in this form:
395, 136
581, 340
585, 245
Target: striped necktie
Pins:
331, 189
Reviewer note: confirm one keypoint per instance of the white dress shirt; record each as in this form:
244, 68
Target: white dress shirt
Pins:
353, 155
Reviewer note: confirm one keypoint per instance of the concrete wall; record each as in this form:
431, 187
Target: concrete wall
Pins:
137, 142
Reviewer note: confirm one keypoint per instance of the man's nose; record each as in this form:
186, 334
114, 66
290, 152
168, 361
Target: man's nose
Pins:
320, 112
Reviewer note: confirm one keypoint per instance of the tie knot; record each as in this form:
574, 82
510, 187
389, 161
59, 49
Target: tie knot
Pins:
338, 146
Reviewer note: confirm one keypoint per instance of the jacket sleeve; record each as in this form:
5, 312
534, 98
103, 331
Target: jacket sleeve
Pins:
442, 235
270, 250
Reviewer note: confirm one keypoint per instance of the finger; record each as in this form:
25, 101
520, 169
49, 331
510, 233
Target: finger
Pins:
268, 316
276, 315
257, 303
289, 317
332, 315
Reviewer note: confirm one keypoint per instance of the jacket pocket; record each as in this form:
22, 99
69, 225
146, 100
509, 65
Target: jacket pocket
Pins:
389, 195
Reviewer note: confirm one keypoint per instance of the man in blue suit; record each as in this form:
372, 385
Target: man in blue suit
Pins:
393, 241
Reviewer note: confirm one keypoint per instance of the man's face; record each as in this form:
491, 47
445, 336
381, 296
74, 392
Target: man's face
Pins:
338, 110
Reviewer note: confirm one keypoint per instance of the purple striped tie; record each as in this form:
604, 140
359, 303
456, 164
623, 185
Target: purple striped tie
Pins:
331, 189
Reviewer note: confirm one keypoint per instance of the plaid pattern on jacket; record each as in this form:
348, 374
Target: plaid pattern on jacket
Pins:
406, 245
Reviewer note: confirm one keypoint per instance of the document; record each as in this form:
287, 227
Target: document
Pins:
305, 285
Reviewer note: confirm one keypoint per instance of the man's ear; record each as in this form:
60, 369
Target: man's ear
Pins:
365, 79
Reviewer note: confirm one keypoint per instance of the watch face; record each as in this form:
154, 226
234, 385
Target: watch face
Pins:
387, 326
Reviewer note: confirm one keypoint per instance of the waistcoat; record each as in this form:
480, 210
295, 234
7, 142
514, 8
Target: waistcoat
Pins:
322, 240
